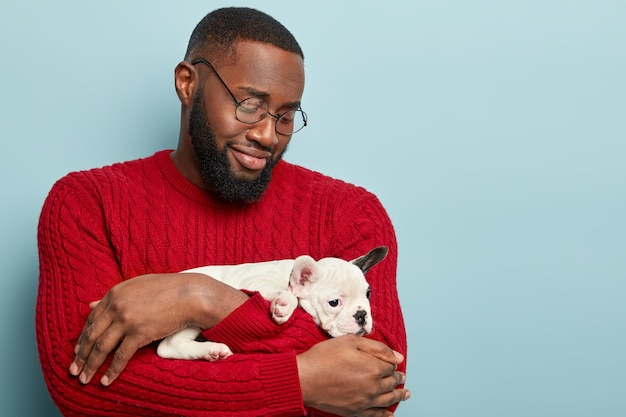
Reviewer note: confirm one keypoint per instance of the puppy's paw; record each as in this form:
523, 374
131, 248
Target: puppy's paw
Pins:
282, 306
215, 351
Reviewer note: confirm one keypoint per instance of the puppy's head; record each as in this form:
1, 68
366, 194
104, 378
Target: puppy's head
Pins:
335, 291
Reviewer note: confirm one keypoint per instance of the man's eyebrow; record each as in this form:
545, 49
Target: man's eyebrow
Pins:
251, 91
254, 92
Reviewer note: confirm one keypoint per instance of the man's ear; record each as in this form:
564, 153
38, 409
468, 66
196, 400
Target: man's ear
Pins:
185, 81
303, 273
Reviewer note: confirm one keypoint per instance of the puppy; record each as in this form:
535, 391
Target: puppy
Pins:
333, 291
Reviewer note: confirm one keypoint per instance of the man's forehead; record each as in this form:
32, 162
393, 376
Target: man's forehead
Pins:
265, 70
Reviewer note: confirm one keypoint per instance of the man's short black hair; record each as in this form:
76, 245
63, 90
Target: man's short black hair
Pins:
219, 30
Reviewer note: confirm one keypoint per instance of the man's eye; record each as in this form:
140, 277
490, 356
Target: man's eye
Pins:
287, 117
334, 303
248, 108
251, 105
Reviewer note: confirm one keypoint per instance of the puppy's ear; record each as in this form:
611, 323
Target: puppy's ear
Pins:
303, 273
371, 258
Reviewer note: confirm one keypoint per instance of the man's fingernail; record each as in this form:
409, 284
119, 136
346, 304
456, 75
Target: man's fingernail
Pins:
407, 395
398, 355
74, 369
83, 378
76, 349
105, 381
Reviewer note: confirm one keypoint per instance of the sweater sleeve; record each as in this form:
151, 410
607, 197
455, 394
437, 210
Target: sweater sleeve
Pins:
360, 224
77, 266
263, 335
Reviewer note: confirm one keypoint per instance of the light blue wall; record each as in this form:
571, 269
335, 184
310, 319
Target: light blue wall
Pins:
493, 131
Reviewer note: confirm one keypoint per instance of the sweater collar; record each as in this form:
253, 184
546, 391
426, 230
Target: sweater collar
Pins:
175, 178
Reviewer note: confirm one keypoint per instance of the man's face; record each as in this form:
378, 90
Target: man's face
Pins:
215, 165
236, 159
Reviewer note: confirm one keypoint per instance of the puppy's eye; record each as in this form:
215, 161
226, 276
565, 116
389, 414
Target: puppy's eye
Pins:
368, 293
334, 303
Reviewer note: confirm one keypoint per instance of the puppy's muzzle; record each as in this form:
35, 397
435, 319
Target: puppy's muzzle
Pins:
361, 317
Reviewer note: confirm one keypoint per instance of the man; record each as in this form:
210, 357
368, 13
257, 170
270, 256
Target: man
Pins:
224, 196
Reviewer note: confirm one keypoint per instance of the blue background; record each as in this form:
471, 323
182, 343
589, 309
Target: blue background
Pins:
493, 131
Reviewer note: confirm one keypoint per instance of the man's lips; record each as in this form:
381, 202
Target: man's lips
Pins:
250, 158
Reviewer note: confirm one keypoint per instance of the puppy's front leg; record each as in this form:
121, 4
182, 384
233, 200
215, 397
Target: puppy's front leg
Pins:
272, 281
283, 304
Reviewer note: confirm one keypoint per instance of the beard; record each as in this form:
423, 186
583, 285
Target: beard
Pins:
214, 163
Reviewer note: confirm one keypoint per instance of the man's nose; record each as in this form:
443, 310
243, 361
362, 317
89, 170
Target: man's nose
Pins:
264, 132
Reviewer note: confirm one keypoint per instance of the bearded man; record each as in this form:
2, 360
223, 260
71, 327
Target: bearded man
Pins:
112, 239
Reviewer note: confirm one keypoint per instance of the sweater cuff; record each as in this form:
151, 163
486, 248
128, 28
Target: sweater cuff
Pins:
247, 324
283, 394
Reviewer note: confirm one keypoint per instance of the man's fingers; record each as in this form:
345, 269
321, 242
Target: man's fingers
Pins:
391, 382
388, 396
83, 347
89, 339
122, 355
91, 331
376, 412
380, 350
91, 355
384, 401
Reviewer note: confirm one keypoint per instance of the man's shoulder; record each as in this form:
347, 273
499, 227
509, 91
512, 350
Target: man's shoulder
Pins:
117, 177
112, 171
303, 177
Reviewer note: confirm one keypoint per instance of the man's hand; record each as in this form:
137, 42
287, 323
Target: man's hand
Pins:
144, 309
351, 376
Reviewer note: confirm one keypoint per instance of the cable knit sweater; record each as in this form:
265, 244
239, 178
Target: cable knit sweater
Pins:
102, 226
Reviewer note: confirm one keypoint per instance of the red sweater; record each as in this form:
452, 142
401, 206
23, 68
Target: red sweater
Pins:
102, 226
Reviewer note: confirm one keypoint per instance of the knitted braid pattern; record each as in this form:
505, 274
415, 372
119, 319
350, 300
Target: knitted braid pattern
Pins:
102, 226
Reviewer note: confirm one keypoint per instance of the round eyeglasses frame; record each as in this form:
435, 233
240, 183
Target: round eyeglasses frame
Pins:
240, 113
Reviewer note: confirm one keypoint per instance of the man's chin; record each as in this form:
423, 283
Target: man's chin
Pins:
243, 187
246, 176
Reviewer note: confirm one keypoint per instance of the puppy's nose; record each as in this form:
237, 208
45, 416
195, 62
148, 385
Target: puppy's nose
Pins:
360, 317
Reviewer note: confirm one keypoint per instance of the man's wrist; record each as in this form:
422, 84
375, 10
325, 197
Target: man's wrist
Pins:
211, 300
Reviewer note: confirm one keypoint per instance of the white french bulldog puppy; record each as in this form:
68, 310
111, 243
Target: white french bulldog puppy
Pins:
333, 291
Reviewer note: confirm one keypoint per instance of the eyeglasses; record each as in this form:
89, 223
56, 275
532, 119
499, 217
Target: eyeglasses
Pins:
253, 109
